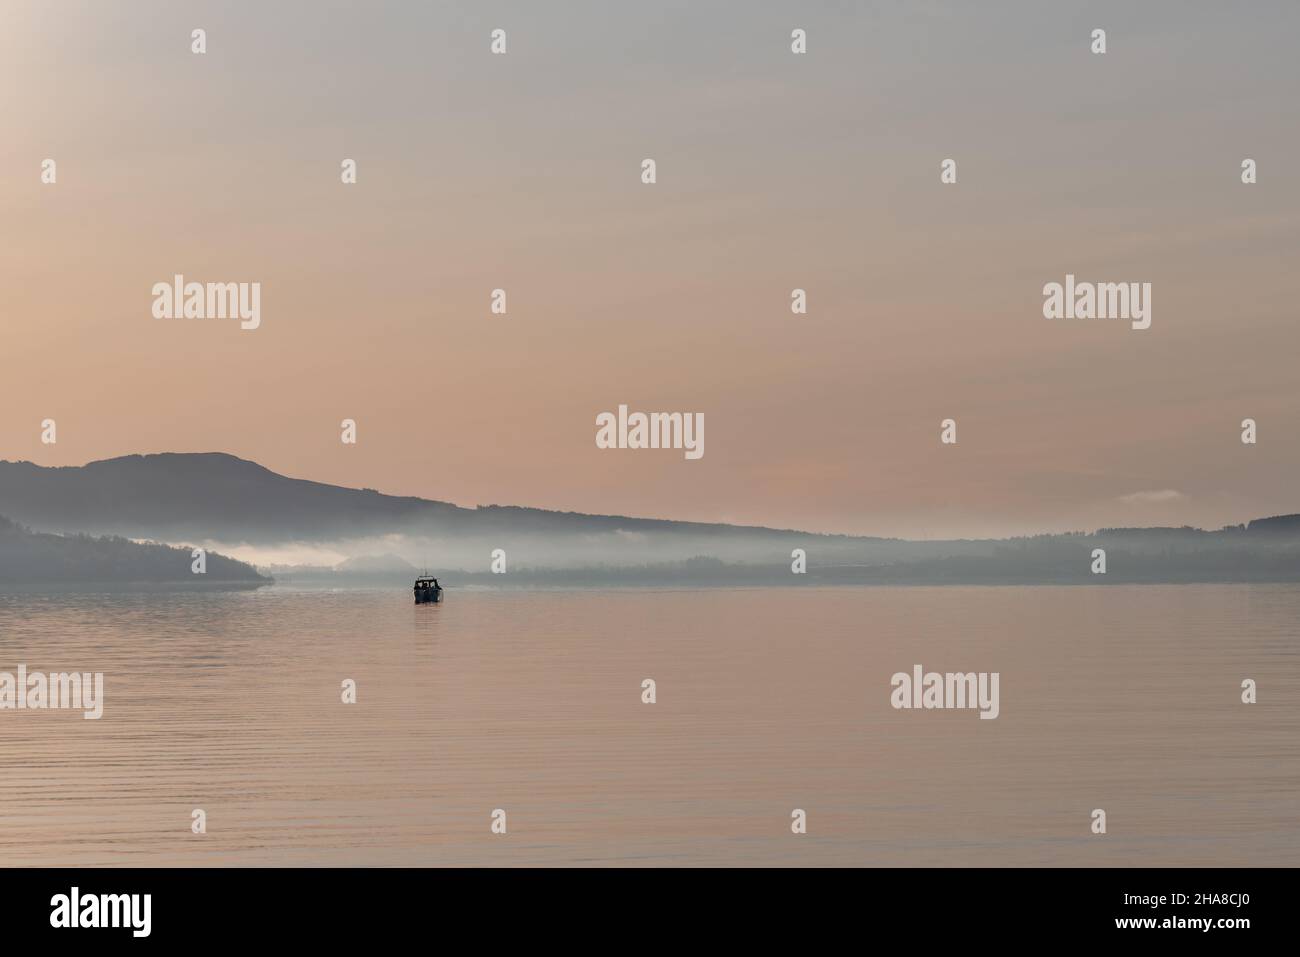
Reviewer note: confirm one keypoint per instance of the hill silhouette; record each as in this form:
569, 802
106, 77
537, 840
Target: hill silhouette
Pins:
219, 499
40, 557
198, 497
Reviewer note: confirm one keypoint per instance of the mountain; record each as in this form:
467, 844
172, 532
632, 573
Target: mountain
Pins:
217, 500
191, 497
375, 565
37, 557
214, 497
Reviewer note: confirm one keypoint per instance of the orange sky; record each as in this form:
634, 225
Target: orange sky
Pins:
775, 172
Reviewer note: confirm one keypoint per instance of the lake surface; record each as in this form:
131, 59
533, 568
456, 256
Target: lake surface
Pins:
1115, 697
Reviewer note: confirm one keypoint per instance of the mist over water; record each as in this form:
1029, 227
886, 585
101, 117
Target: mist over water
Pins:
1124, 698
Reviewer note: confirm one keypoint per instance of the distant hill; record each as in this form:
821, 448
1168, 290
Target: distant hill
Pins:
1276, 525
216, 499
37, 557
375, 565
201, 496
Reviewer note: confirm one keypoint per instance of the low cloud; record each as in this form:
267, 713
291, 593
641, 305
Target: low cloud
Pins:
1153, 497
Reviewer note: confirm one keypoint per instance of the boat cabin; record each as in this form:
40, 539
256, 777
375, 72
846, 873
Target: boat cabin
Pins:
427, 589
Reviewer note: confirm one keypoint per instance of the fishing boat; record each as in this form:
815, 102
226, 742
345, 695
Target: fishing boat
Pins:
427, 589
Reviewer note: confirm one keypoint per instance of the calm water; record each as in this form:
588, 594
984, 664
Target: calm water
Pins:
1123, 698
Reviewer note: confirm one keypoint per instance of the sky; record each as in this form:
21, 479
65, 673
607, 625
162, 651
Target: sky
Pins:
775, 171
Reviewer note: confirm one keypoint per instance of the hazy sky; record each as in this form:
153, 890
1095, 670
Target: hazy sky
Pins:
775, 171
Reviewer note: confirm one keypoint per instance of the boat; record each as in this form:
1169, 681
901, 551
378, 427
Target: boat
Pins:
427, 590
